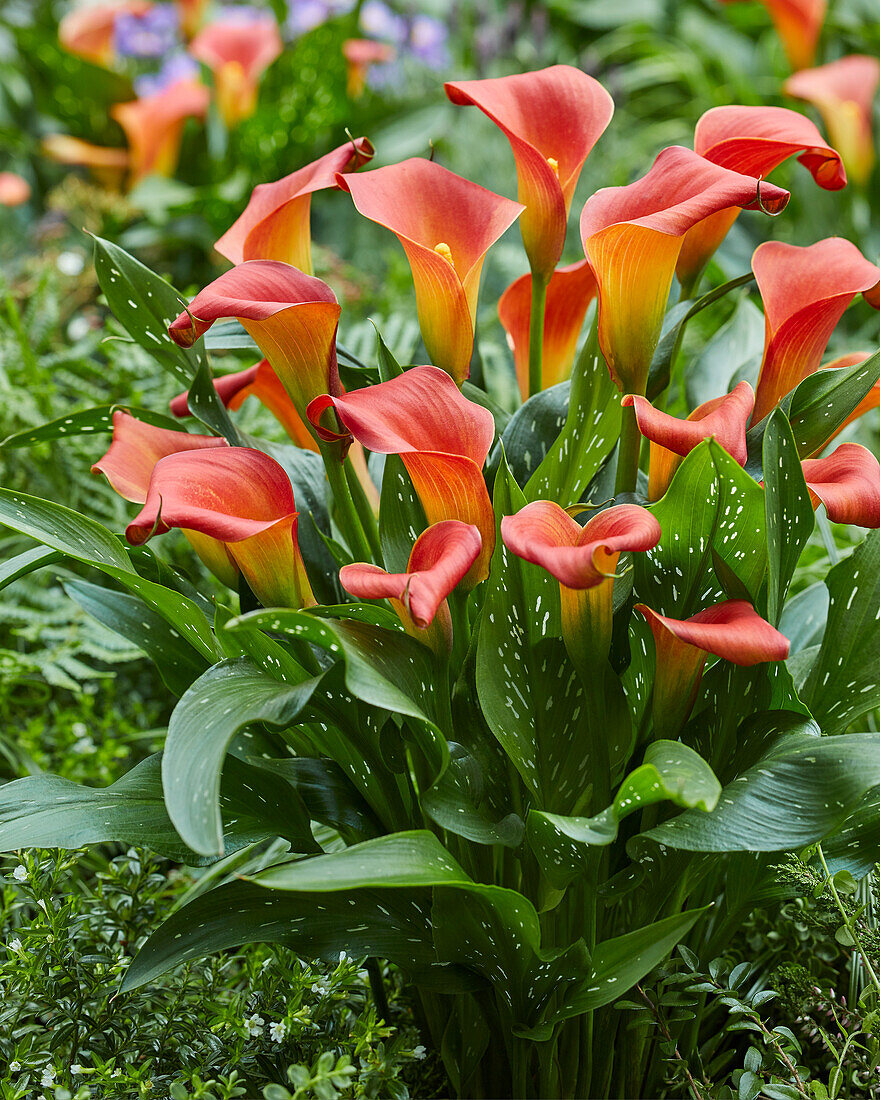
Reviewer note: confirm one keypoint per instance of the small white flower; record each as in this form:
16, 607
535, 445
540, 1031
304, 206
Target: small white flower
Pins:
278, 1032
321, 986
78, 328
265, 965
14, 1066
253, 1025
48, 1077
14, 945
343, 958
20, 873
42, 904
76, 1069
79, 729
70, 263
420, 1052
83, 746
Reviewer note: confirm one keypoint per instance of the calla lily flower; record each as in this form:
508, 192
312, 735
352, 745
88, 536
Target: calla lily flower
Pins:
88, 32
275, 222
632, 237
192, 13
752, 141
583, 560
291, 316
843, 93
129, 463
805, 291
732, 630
446, 225
107, 165
154, 126
442, 438
552, 119
360, 54
14, 189
847, 482
237, 53
798, 24
440, 559
242, 498
569, 293
723, 418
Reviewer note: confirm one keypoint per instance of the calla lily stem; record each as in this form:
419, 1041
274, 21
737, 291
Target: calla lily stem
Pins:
628, 453
349, 520
536, 333
365, 512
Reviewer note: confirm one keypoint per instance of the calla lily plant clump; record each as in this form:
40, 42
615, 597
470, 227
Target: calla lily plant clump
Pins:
524, 696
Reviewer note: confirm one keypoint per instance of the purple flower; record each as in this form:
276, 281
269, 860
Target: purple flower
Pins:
149, 35
241, 14
379, 21
429, 42
177, 66
305, 15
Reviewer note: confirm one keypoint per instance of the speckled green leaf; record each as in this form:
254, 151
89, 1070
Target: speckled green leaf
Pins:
788, 509
85, 422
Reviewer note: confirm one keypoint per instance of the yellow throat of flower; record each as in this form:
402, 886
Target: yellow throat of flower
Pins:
443, 249
554, 164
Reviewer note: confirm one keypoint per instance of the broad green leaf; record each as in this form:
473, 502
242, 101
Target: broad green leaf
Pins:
229, 335
401, 515
739, 535
178, 663
804, 617
845, 680
789, 511
227, 698
855, 847
330, 796
802, 790
533, 429
86, 421
388, 365
729, 355
27, 562
459, 803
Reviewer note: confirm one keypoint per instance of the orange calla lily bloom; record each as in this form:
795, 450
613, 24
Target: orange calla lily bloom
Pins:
440, 559
106, 164
360, 54
292, 317
129, 463
584, 561
798, 24
446, 225
569, 293
154, 126
752, 141
192, 12
805, 291
442, 438
88, 31
275, 222
632, 237
243, 499
847, 482
552, 119
724, 419
14, 189
843, 93
732, 630
237, 53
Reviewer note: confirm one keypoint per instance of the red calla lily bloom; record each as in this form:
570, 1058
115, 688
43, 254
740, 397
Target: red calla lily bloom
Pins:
569, 293
237, 53
552, 119
752, 141
723, 418
632, 237
843, 93
847, 482
805, 291
129, 463
583, 560
89, 31
732, 630
360, 54
242, 498
291, 316
442, 438
798, 23
14, 189
106, 164
440, 559
154, 126
446, 225
275, 222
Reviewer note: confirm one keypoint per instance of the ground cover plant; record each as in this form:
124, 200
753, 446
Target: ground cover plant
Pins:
532, 703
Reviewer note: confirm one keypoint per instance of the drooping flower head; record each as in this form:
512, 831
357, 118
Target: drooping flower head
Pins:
106, 164
847, 482
569, 293
275, 223
632, 237
360, 55
241, 498
440, 559
805, 291
154, 126
442, 438
798, 24
237, 52
724, 419
843, 93
552, 119
292, 317
446, 225
752, 141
